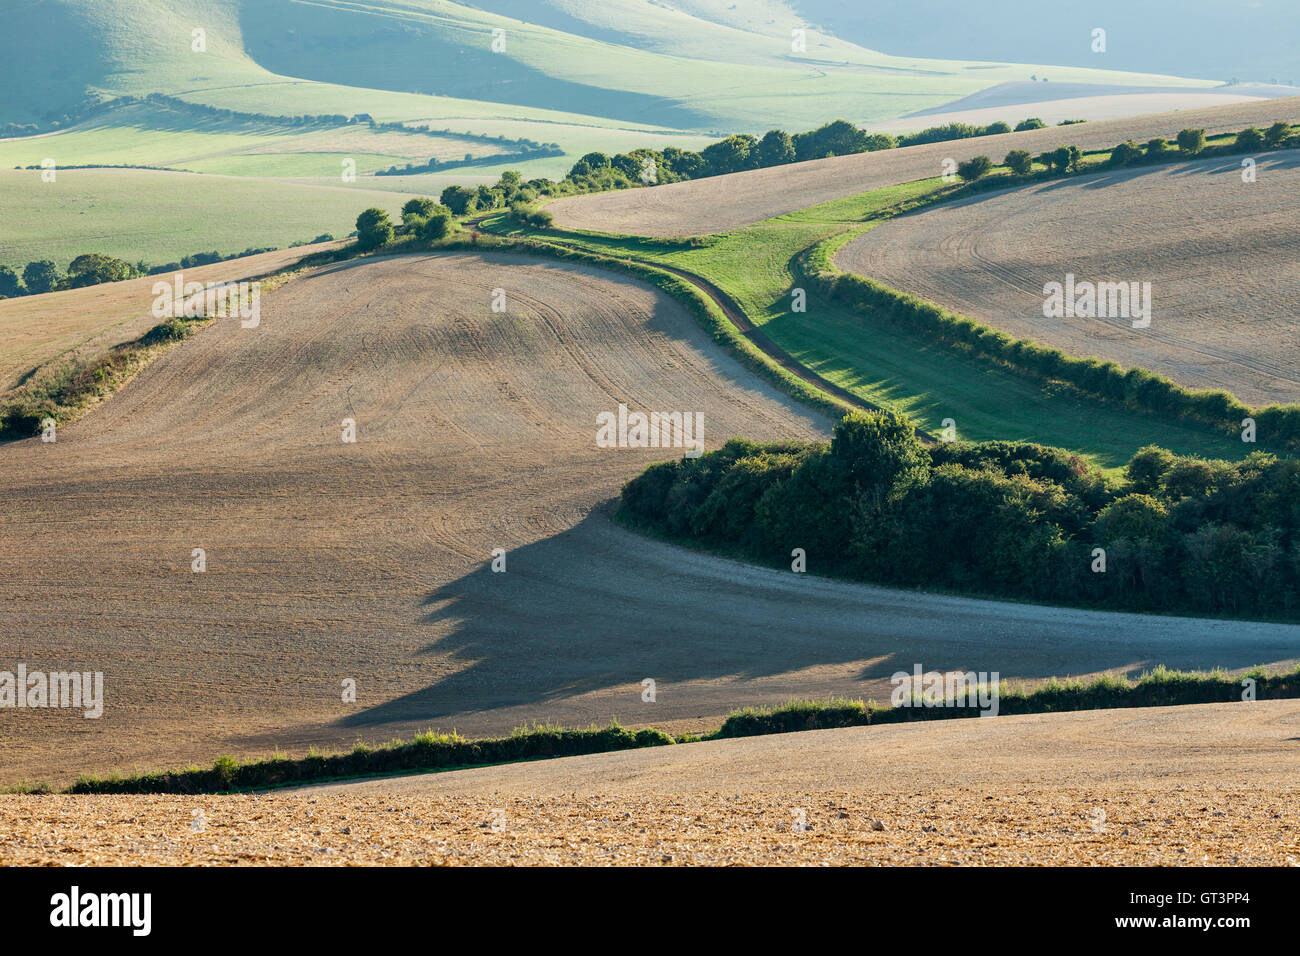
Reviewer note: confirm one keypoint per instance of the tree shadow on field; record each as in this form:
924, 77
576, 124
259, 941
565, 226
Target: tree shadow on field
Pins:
1264, 161
599, 607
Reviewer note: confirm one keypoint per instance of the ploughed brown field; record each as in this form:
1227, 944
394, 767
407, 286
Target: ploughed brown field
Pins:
1222, 256
41, 331
1213, 784
716, 204
328, 561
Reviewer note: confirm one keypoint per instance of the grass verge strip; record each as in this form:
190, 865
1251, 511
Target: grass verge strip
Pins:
1135, 388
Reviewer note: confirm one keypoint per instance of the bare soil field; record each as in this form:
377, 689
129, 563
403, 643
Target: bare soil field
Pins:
329, 561
38, 329
719, 203
1222, 256
1205, 785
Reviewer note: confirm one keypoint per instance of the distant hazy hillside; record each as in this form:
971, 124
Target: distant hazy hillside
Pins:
1253, 40
701, 65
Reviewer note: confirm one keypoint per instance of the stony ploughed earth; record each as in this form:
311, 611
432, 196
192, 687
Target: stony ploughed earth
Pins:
1212, 784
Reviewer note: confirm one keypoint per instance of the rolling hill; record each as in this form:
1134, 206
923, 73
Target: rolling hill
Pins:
606, 77
328, 560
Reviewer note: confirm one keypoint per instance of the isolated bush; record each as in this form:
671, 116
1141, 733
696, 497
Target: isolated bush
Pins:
974, 168
373, 229
1032, 123
1191, 141
173, 330
1019, 161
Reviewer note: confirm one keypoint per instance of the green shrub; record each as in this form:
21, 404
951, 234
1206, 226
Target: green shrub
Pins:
1125, 154
1191, 141
1019, 161
373, 229
1250, 139
1276, 134
173, 330
437, 226
974, 168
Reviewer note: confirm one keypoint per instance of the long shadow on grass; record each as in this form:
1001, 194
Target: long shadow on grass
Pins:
599, 607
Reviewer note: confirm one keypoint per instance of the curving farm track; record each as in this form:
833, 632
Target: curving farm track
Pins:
716, 204
328, 561
1222, 256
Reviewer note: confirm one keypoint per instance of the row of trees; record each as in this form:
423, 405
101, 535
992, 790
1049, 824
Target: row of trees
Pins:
43, 275
1013, 519
1189, 142
510, 190
596, 171
92, 268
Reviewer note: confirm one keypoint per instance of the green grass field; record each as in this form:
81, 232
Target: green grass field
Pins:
896, 368
161, 216
148, 136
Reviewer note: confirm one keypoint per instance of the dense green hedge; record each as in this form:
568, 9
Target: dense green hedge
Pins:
431, 752
1010, 519
1160, 687
426, 752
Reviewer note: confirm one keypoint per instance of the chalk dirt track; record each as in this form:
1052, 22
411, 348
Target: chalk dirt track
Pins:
1222, 257
329, 561
718, 203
